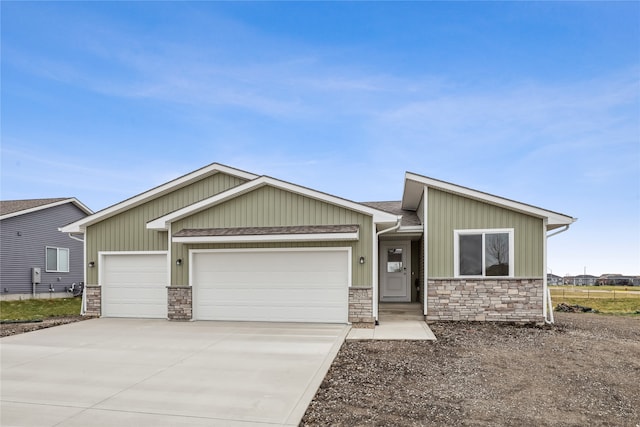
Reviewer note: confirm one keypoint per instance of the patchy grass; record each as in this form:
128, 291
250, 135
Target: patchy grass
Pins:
626, 306
595, 288
35, 309
595, 292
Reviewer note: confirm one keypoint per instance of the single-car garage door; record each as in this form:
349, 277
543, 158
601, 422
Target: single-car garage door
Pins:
134, 285
295, 285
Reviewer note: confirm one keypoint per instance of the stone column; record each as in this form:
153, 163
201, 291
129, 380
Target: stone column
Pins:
179, 303
94, 300
361, 307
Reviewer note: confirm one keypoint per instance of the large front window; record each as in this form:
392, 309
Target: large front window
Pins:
483, 253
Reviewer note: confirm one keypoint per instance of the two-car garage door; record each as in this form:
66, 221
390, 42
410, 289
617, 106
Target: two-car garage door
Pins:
292, 285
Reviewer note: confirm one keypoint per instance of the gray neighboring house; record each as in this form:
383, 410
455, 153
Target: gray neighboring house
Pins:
553, 279
34, 251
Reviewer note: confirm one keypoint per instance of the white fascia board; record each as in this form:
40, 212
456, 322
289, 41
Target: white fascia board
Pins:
80, 226
73, 200
321, 237
413, 190
162, 222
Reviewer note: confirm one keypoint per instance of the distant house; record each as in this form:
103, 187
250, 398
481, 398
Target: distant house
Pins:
553, 279
36, 259
581, 280
618, 280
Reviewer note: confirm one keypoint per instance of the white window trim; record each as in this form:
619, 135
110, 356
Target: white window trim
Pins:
483, 231
57, 270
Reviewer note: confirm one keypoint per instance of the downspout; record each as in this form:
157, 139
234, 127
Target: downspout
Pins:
83, 307
548, 318
378, 234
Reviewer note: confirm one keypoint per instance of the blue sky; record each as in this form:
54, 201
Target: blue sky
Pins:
534, 101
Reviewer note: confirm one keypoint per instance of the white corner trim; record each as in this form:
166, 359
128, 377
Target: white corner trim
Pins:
554, 218
162, 222
80, 226
319, 237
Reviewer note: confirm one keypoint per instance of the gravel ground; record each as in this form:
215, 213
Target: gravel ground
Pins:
7, 329
585, 370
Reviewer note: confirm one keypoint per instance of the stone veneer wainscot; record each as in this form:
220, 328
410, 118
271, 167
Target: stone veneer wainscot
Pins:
361, 307
94, 300
510, 300
180, 305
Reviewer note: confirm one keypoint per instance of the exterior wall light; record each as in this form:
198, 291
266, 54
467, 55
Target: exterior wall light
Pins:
92, 264
179, 261
361, 260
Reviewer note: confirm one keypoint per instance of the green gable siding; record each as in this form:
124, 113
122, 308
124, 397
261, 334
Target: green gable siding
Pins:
127, 231
448, 212
267, 207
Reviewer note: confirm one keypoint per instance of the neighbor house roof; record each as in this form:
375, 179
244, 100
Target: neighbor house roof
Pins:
11, 208
415, 184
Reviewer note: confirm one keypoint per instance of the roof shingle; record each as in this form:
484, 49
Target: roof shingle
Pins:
12, 206
265, 231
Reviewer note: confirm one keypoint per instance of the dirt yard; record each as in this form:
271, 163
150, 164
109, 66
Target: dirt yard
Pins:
7, 329
583, 371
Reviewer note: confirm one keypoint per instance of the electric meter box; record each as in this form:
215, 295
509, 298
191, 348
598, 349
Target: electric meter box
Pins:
35, 275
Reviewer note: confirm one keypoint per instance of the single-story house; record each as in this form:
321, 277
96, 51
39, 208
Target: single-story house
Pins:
224, 244
554, 279
580, 280
37, 260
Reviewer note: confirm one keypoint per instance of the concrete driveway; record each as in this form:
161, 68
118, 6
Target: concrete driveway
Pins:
136, 372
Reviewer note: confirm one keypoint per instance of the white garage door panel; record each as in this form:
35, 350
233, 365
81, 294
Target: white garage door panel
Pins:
134, 285
279, 286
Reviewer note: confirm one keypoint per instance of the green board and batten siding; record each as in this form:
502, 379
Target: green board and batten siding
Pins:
127, 231
272, 207
448, 212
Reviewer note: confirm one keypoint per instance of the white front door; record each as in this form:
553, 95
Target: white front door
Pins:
394, 271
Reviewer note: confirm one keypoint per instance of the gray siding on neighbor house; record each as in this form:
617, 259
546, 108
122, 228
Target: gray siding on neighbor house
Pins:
23, 240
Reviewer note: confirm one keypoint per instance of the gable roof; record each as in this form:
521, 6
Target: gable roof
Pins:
11, 208
414, 185
163, 222
213, 168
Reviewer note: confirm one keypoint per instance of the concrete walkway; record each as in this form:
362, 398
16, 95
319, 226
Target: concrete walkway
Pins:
397, 321
394, 330
137, 372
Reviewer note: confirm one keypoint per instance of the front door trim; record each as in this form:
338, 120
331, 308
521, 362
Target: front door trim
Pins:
404, 295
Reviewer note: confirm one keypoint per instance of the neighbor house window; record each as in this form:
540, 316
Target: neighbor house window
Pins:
57, 260
483, 252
